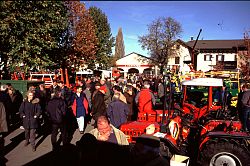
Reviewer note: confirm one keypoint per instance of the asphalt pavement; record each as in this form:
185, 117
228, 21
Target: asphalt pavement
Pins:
16, 154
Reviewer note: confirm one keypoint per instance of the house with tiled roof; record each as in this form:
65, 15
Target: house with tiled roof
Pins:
208, 53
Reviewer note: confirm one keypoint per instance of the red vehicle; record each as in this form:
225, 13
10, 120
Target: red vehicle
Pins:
200, 129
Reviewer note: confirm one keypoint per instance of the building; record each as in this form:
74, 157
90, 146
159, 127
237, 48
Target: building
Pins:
136, 63
209, 54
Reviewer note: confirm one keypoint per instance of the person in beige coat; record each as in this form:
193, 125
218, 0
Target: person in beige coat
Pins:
107, 132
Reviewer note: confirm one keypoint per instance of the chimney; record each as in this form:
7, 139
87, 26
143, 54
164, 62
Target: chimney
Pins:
192, 38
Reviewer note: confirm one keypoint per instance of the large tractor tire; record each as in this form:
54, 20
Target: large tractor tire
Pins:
221, 153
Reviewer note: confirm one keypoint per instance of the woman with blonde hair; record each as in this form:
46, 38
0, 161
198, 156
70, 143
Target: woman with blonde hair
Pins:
29, 111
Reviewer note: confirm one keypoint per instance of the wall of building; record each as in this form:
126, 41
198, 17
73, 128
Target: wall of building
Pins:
208, 65
136, 61
184, 55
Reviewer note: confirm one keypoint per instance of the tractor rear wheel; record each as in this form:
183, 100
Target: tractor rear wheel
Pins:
224, 154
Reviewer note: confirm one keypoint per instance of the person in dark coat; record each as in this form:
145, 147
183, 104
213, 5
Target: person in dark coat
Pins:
117, 111
43, 96
246, 109
107, 96
223, 96
66, 93
239, 103
130, 97
15, 99
54, 87
56, 110
30, 110
98, 104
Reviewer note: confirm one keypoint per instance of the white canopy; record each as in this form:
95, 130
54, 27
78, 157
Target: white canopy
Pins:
204, 82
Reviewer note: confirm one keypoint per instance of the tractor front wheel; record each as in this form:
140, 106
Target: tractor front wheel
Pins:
224, 154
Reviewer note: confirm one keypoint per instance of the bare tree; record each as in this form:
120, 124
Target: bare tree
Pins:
161, 37
245, 57
219, 66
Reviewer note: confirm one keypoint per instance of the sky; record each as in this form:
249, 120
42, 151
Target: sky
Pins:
217, 19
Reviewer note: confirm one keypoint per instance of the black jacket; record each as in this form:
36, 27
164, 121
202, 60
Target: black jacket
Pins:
56, 109
98, 104
30, 110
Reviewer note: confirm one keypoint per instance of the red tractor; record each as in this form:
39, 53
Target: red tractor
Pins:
200, 127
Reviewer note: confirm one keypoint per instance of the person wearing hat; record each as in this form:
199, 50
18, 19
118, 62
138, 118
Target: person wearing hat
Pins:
98, 104
145, 99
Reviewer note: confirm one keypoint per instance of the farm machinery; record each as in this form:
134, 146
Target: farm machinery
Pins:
198, 127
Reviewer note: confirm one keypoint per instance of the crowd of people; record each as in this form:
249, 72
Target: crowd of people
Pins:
64, 109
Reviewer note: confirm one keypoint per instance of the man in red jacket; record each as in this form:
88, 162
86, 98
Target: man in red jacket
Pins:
145, 99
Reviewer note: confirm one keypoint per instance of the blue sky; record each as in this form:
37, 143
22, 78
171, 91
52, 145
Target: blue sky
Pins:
218, 19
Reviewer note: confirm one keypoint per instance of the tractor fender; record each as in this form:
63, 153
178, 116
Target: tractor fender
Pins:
226, 136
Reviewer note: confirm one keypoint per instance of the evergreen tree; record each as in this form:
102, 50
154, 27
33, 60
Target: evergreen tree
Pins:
104, 37
119, 45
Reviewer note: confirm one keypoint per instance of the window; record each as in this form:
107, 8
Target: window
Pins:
208, 57
177, 46
177, 60
220, 57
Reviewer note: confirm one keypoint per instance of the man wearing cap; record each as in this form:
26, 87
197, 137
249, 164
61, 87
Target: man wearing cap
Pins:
145, 99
